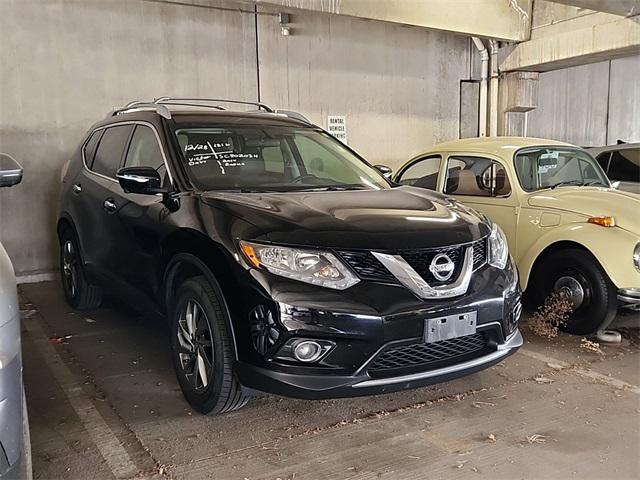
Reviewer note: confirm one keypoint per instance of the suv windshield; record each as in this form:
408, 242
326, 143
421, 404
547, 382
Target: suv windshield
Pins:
270, 158
539, 168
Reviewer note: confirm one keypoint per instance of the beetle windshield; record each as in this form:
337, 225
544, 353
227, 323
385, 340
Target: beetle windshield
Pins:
549, 167
272, 158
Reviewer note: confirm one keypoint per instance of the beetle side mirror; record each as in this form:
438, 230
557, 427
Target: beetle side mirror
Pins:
141, 180
10, 171
384, 170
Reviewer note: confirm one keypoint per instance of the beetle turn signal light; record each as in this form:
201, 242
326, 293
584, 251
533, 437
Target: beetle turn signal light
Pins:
603, 221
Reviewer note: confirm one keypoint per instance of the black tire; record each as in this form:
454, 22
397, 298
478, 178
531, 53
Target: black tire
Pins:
80, 294
573, 267
194, 360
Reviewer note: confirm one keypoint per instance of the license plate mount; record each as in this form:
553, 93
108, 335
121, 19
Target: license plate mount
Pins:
449, 326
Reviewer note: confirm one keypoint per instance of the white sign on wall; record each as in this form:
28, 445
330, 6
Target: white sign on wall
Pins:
337, 126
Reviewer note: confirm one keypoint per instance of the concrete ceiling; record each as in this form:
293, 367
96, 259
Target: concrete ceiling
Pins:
500, 19
617, 7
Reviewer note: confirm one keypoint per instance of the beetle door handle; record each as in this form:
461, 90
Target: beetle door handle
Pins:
77, 188
109, 205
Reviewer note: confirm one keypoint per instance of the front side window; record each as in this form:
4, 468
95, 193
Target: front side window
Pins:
110, 149
625, 165
270, 158
476, 176
552, 167
422, 173
144, 149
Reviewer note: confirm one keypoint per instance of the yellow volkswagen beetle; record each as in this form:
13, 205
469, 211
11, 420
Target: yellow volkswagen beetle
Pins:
567, 228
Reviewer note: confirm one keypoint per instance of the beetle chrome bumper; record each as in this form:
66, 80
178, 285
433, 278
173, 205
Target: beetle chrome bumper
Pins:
629, 298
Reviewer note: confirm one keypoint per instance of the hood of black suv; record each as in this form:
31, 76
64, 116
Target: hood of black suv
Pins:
398, 218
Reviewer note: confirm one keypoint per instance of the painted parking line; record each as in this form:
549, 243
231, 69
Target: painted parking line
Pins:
103, 437
583, 372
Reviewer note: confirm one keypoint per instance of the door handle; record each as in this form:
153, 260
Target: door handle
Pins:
109, 205
77, 188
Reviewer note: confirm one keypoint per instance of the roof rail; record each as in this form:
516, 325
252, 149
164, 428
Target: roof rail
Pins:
140, 106
181, 101
294, 115
160, 105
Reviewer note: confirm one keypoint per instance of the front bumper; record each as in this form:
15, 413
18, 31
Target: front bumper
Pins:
629, 298
315, 387
377, 334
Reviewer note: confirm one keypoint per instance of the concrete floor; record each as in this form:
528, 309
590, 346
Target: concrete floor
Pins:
104, 403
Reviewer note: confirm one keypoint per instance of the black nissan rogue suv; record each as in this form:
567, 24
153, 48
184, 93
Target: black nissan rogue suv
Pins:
284, 262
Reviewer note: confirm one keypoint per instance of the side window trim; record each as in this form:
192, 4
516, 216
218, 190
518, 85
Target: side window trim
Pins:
134, 123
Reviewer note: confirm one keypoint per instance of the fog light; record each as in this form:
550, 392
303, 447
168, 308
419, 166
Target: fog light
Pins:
307, 351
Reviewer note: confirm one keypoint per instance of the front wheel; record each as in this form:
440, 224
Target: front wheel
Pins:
578, 275
80, 294
202, 350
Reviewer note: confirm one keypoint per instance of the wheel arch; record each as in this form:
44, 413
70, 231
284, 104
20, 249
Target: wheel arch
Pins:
64, 223
568, 236
188, 253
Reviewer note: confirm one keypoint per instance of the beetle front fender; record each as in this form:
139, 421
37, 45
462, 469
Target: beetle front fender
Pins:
611, 246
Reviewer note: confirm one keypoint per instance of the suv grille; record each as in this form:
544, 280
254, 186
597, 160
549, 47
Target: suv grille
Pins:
369, 268
432, 355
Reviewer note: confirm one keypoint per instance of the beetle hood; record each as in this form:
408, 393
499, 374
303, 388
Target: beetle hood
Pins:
593, 202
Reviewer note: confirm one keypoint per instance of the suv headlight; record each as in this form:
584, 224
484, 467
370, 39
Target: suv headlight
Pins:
311, 266
498, 249
636, 257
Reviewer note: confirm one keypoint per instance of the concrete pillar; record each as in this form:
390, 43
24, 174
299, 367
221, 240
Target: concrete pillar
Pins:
518, 95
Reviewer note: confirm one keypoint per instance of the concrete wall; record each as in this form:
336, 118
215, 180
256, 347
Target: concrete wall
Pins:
589, 105
64, 64
398, 86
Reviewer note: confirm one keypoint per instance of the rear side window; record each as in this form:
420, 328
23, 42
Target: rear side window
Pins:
90, 147
110, 148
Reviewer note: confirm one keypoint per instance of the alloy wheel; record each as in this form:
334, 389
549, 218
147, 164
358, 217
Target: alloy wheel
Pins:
195, 344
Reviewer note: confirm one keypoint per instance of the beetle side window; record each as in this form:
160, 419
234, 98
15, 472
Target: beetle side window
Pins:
90, 147
625, 165
110, 149
422, 173
476, 176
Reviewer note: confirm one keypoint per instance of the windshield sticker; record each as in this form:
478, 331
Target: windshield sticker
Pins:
548, 161
222, 152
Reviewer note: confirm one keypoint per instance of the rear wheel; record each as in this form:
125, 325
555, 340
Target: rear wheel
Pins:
202, 350
80, 294
578, 275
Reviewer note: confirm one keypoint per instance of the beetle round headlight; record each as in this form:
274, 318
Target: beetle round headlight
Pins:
636, 257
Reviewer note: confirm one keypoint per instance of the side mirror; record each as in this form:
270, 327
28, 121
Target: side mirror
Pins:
10, 171
384, 170
616, 184
142, 180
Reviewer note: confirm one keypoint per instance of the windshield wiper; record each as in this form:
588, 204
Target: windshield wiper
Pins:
567, 182
332, 188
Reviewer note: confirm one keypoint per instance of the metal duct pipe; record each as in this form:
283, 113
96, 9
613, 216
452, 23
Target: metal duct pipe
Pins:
484, 56
495, 81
